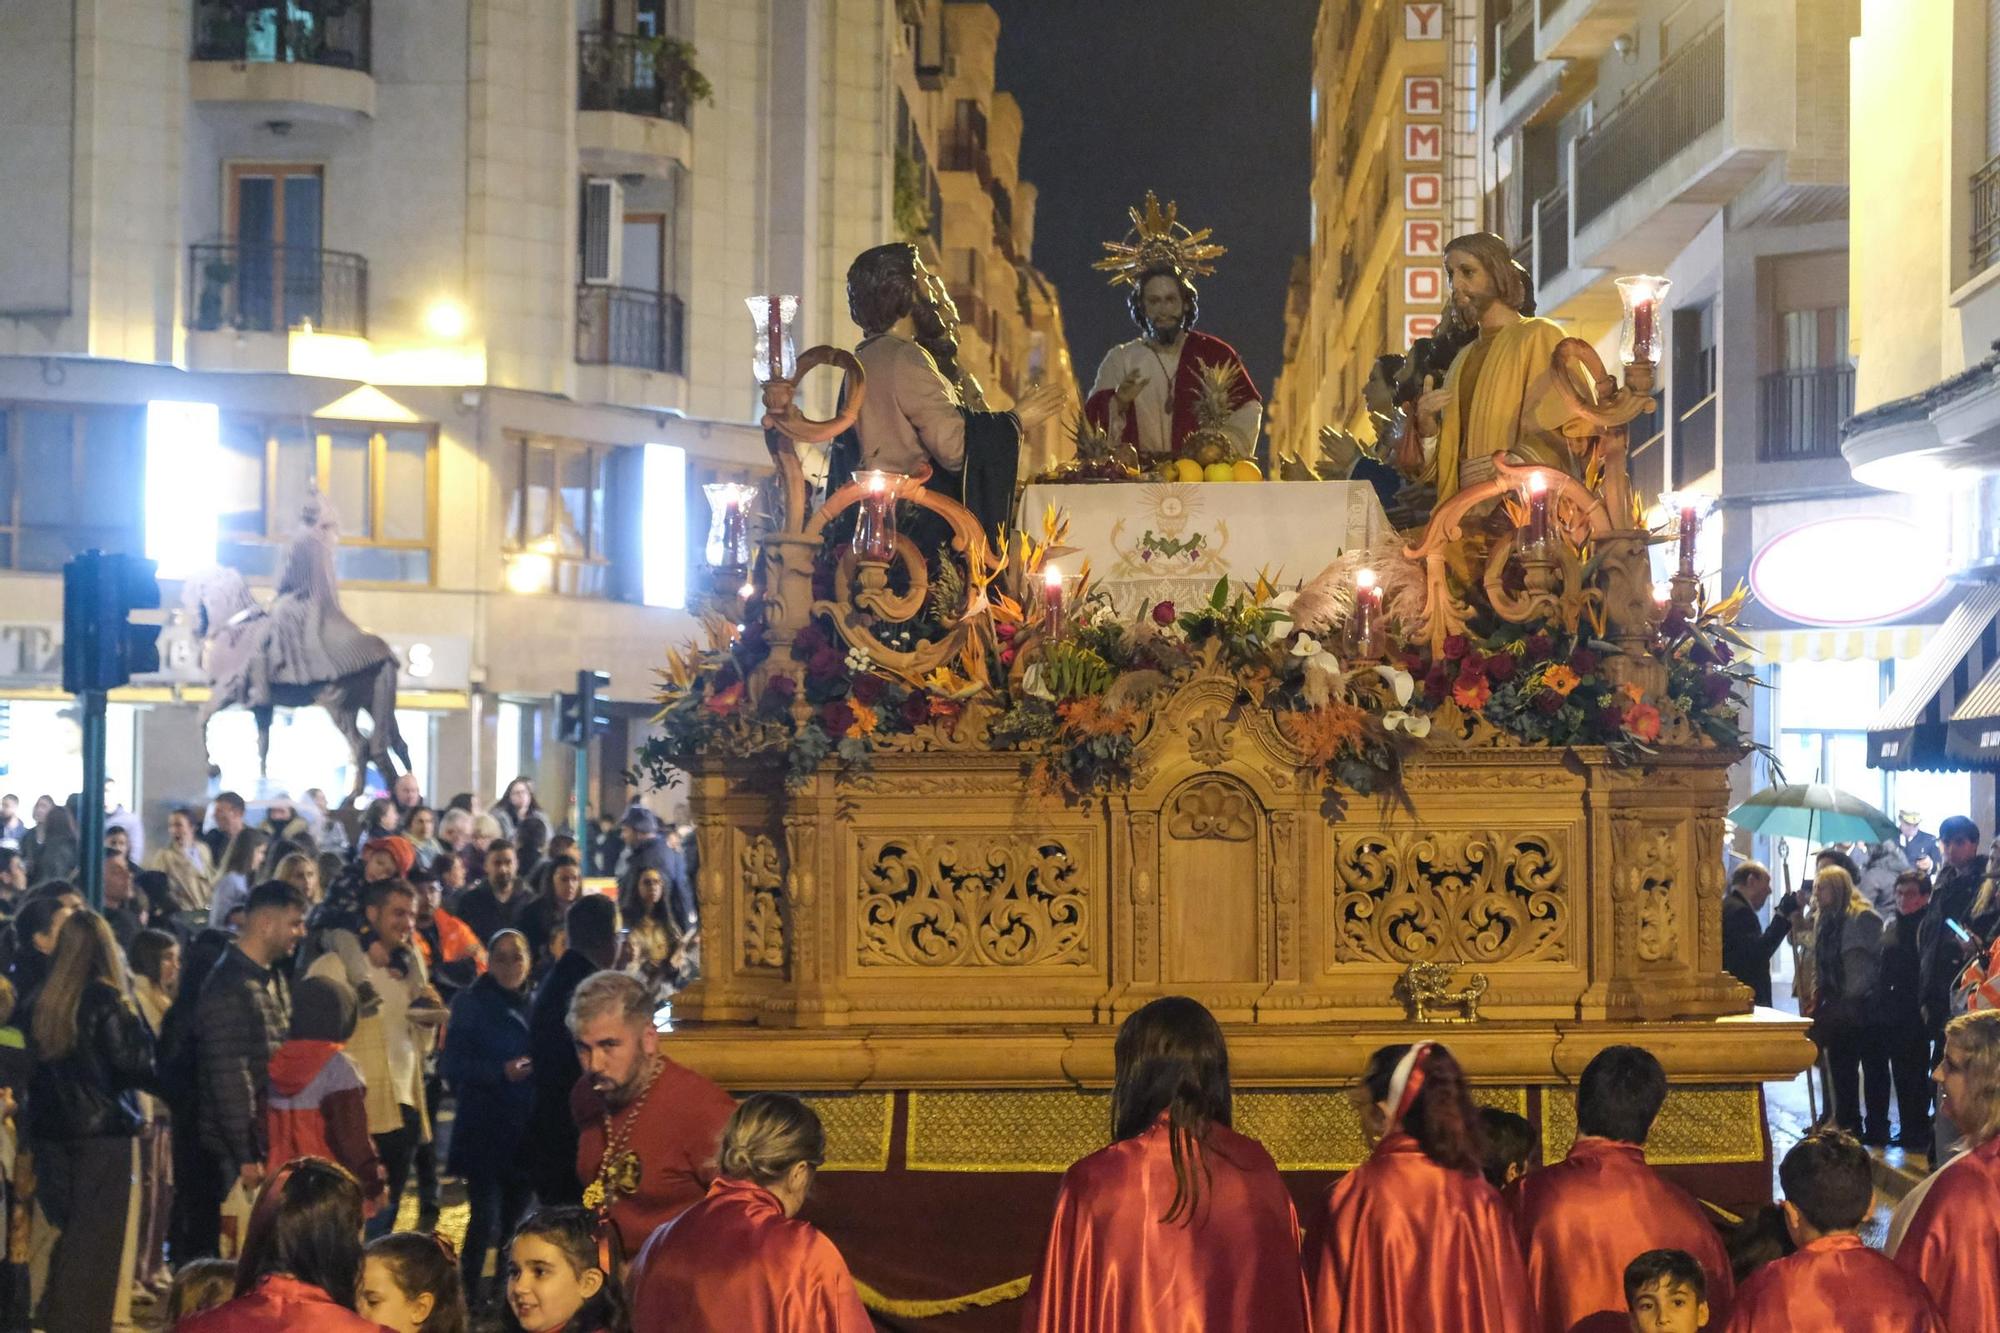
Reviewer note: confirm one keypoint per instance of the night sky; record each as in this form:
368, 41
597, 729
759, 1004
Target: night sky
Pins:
1205, 103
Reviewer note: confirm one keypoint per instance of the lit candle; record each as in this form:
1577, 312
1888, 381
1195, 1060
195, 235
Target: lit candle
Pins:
875, 526
1536, 532
1052, 599
1643, 295
1689, 523
1365, 630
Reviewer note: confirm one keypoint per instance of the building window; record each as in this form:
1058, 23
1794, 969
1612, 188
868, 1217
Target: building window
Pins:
557, 516
382, 481
1693, 392
70, 479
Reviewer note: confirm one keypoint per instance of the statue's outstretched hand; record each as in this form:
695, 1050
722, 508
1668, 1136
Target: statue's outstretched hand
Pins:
1432, 404
1128, 388
1038, 404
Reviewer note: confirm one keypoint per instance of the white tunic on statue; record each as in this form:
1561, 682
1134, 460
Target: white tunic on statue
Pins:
1154, 406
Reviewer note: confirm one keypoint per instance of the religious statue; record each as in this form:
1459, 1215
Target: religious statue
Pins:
1152, 392
299, 651
914, 420
1499, 395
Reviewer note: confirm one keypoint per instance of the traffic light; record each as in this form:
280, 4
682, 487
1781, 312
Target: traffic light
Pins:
569, 719
595, 687
102, 647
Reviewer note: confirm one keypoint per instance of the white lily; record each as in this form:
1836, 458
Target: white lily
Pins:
1399, 681
1031, 683
1282, 603
1416, 724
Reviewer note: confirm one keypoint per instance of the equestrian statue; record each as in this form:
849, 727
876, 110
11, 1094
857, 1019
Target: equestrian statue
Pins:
299, 651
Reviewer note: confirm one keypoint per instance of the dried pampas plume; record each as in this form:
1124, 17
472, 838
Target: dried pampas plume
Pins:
1327, 598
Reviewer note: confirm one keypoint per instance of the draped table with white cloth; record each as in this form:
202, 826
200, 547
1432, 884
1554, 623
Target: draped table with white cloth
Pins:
1169, 541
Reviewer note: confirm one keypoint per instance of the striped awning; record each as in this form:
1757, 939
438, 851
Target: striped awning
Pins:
1973, 736
1873, 643
1910, 730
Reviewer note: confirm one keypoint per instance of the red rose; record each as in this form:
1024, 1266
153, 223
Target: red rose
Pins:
781, 688
1004, 630
1675, 624
1472, 666
1500, 666
809, 641
1539, 646
836, 717
1437, 684
826, 664
1413, 662
1583, 661
868, 688
1716, 688
1610, 717
1548, 702
1456, 646
916, 709
1163, 614
1006, 657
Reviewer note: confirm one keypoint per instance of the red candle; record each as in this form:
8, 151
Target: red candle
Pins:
875, 526
1688, 525
774, 317
1643, 315
1052, 600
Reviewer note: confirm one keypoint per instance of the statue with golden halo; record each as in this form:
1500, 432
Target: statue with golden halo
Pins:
1173, 391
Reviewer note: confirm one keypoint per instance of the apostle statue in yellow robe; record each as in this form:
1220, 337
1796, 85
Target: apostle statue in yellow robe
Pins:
1499, 395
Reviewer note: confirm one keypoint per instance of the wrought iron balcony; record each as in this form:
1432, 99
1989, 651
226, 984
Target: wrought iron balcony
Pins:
1802, 411
1663, 115
309, 32
273, 288
1986, 216
625, 326
637, 75
1552, 233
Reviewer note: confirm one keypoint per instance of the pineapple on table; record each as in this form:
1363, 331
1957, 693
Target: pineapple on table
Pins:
1210, 446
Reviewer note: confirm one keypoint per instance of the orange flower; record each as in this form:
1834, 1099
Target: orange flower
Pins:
1643, 721
1561, 679
1472, 694
1324, 734
865, 719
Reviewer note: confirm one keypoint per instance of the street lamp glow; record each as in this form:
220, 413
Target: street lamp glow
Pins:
182, 448
663, 503
445, 319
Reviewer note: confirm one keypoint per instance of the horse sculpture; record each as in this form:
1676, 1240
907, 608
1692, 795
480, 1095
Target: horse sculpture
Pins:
298, 652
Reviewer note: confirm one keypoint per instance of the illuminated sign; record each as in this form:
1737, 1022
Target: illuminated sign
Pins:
1424, 22
1856, 569
663, 495
183, 455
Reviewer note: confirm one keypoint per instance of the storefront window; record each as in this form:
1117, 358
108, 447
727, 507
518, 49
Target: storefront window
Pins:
41, 749
306, 751
558, 512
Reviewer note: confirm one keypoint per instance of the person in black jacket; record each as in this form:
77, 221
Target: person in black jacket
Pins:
1900, 1011
487, 1064
1747, 944
550, 1143
93, 1054
1941, 953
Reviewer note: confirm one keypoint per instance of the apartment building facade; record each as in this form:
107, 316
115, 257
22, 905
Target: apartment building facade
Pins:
476, 268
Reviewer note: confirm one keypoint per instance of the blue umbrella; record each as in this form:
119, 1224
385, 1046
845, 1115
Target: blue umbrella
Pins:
1812, 810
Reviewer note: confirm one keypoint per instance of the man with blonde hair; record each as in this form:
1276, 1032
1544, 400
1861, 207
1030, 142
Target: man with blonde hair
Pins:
649, 1129
1947, 1230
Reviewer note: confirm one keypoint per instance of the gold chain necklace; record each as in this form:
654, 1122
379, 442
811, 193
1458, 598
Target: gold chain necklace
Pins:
618, 1174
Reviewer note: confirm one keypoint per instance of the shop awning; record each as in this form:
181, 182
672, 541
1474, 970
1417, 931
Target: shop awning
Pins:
1910, 731
1973, 737
1871, 643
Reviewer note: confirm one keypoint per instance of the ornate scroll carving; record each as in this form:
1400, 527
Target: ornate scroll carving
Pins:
1642, 889
1209, 738
1145, 894
801, 887
1285, 884
763, 929
1212, 808
1480, 896
983, 902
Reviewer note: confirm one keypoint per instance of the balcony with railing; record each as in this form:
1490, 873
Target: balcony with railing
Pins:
304, 60
1801, 413
313, 32
627, 326
1986, 216
252, 288
1552, 233
638, 75
1654, 123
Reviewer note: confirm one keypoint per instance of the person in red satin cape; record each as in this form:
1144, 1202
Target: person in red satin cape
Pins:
740, 1261
1582, 1220
1182, 1223
1947, 1231
1834, 1283
649, 1129
1414, 1238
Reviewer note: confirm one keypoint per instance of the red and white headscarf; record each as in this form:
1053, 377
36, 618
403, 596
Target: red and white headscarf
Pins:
1405, 1084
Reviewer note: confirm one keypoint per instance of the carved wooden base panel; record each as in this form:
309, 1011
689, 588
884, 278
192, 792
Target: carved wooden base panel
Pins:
934, 889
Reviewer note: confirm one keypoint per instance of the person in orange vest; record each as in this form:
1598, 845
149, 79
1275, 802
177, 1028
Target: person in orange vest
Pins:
452, 952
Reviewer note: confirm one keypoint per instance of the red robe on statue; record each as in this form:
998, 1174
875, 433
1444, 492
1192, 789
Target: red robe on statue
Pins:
677, 1135
1837, 1285
1200, 352
1408, 1245
1953, 1243
734, 1263
1112, 1266
1583, 1219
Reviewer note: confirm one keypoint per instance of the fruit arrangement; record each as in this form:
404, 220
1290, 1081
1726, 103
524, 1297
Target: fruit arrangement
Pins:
1096, 459
1211, 449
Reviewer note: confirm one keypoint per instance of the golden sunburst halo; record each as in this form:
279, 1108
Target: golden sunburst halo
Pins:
1159, 236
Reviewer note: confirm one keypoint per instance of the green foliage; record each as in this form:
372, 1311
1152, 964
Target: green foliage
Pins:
912, 208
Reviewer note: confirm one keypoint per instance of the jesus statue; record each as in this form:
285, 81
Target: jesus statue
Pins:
1158, 390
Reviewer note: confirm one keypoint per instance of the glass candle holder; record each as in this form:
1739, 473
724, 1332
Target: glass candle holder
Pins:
773, 317
1367, 635
1644, 297
1535, 528
1052, 600
728, 524
875, 525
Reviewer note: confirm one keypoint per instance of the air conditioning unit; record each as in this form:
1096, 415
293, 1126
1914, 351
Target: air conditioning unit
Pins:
603, 230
